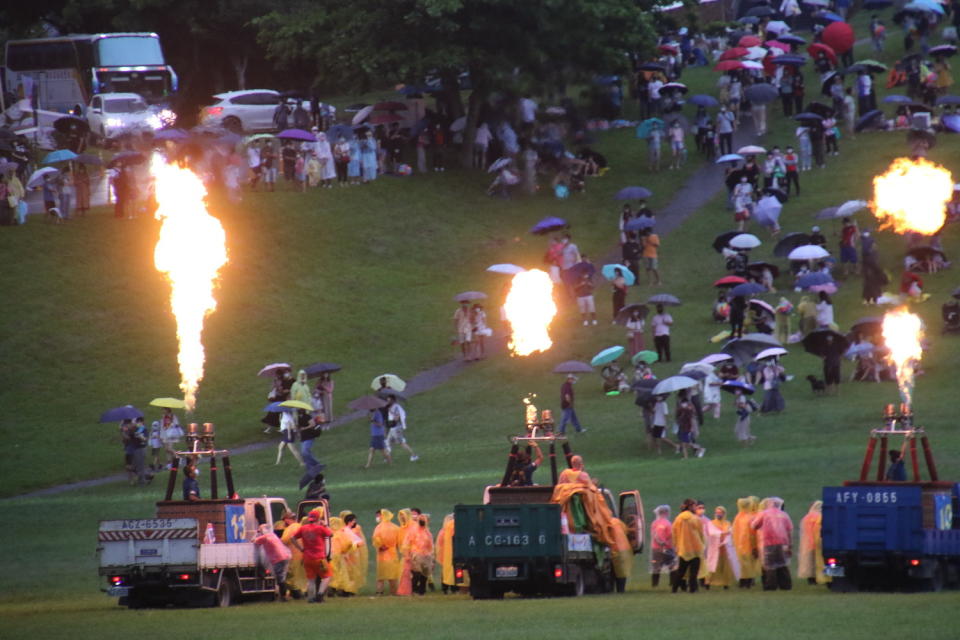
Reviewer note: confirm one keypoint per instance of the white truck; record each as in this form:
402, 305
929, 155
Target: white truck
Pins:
194, 553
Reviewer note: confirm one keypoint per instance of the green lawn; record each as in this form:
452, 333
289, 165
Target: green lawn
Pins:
365, 277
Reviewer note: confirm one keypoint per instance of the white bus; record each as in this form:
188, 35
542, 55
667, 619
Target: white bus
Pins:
64, 72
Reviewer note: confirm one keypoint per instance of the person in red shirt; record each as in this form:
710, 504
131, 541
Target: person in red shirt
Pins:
312, 538
848, 248
790, 161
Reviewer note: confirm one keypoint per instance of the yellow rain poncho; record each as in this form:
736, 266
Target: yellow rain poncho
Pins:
386, 540
357, 559
340, 546
688, 535
443, 548
301, 388
622, 553
600, 521
810, 562
296, 576
745, 538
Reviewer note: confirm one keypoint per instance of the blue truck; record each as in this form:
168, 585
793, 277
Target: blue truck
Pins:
892, 535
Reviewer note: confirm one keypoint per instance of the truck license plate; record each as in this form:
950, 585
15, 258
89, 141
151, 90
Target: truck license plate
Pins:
834, 572
148, 552
507, 571
118, 591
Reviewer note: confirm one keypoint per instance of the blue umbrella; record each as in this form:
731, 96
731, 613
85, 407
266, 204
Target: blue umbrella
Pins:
827, 16
607, 355
942, 100
736, 385
897, 99
730, 157
951, 123
747, 289
789, 38
703, 100
866, 119
790, 59
171, 134
117, 414
761, 93
548, 224
639, 224
60, 155
337, 130
925, 5
609, 272
748, 20
633, 193
274, 407
813, 279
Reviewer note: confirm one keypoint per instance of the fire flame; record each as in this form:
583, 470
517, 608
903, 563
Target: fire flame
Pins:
530, 309
190, 251
902, 332
912, 196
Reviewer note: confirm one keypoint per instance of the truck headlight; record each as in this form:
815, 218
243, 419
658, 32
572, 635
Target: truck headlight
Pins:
113, 123
153, 120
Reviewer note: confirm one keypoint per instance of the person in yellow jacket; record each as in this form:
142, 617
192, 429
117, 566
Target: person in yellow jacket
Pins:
689, 541
405, 586
340, 547
745, 541
810, 562
296, 575
386, 540
622, 555
358, 559
443, 549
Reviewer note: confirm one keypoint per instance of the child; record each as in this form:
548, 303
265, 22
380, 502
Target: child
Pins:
300, 172
156, 444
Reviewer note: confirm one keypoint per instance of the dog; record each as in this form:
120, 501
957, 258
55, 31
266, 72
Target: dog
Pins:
817, 385
53, 215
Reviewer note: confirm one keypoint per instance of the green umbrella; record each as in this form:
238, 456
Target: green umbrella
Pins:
646, 356
607, 355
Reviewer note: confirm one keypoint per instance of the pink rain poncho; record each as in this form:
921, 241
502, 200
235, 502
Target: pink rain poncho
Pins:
775, 532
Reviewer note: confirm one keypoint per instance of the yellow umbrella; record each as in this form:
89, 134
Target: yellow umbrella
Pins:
168, 403
393, 381
296, 404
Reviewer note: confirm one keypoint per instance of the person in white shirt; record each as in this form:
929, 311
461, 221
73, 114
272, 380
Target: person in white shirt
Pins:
653, 91
253, 161
396, 427
528, 111
481, 142
661, 333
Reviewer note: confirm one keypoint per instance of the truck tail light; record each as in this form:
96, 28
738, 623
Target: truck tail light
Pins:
915, 562
558, 572
214, 111
832, 562
183, 577
458, 574
117, 580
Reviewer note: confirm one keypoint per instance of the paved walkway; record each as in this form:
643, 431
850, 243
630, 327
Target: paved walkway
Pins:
701, 187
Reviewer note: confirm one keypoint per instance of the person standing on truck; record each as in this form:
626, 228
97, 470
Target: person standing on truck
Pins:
191, 488
312, 538
688, 536
576, 473
775, 530
278, 555
745, 541
663, 556
524, 469
569, 414
386, 537
896, 472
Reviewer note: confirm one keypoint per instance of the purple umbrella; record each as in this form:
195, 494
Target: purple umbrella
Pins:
548, 224
951, 123
297, 134
638, 224
633, 193
813, 279
790, 59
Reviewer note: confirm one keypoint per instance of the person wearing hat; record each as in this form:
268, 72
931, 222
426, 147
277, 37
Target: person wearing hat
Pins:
569, 414
386, 540
311, 540
278, 555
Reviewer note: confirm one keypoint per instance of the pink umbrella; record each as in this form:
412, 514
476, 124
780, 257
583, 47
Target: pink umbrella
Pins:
770, 44
749, 41
734, 53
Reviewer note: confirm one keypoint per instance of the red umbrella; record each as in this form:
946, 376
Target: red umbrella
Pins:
734, 53
776, 44
667, 48
749, 41
729, 281
384, 118
838, 35
817, 48
728, 65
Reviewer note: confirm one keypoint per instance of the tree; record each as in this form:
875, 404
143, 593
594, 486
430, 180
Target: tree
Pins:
367, 42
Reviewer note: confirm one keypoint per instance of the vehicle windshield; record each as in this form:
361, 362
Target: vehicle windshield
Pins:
124, 105
125, 51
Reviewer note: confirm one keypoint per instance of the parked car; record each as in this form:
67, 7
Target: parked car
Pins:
113, 114
242, 111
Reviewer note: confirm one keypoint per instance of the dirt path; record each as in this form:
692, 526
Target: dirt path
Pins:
702, 186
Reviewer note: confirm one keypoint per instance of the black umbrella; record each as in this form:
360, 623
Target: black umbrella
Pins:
644, 389
867, 326
71, 124
652, 66
573, 366
367, 403
721, 241
823, 342
391, 393
734, 177
127, 158
318, 368
747, 289
760, 266
761, 11
354, 108
790, 242
789, 38
88, 158
761, 93
624, 314
311, 473
807, 117
822, 110
942, 100
867, 119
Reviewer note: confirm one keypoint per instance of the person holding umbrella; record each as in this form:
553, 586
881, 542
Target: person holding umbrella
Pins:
619, 284
661, 323
463, 328
771, 374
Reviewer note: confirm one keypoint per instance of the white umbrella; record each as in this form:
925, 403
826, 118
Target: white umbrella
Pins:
778, 27
808, 252
269, 370
703, 367
459, 124
362, 115
751, 64
751, 149
507, 268
770, 353
744, 241
756, 53
714, 358
498, 164
674, 383
850, 207
36, 178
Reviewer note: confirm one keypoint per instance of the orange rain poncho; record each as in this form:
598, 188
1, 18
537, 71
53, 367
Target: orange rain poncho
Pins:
358, 559
600, 521
405, 586
419, 548
386, 540
340, 545
296, 576
810, 563
688, 535
745, 538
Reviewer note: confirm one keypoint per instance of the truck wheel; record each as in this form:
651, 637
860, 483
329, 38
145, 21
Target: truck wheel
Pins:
479, 591
842, 585
226, 594
578, 587
934, 582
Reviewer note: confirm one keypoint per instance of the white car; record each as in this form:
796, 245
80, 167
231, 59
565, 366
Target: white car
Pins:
247, 111
113, 114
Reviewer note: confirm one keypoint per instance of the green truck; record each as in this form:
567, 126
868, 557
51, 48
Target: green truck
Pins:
516, 542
